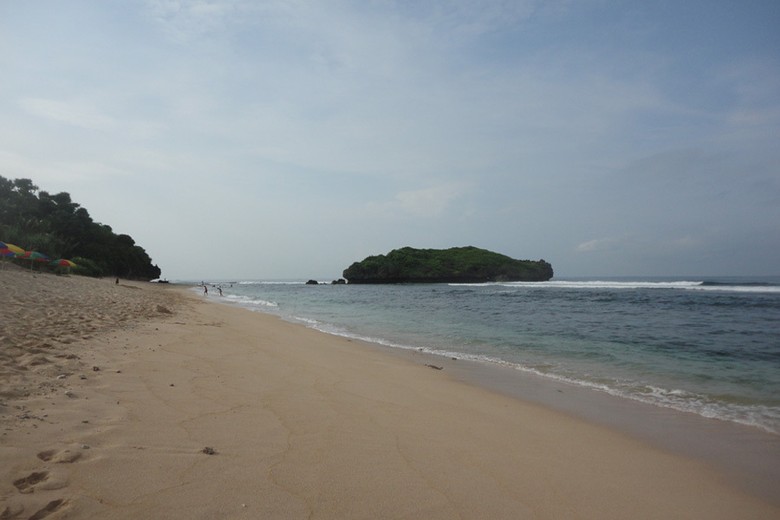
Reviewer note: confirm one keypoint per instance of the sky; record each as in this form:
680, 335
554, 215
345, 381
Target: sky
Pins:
237, 139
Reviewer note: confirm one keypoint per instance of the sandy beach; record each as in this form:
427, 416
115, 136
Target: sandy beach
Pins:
138, 400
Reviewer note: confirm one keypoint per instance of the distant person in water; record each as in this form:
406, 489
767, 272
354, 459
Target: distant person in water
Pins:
220, 290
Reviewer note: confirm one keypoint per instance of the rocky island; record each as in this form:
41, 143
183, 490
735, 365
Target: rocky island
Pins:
455, 265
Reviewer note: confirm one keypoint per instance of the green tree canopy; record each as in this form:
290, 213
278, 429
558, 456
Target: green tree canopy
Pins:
61, 228
458, 264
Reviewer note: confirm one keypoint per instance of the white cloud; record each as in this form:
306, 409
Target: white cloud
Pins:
73, 113
185, 20
49, 175
475, 17
86, 171
425, 203
397, 114
430, 202
598, 245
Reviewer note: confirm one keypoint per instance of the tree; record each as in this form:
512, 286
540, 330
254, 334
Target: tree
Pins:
59, 227
458, 264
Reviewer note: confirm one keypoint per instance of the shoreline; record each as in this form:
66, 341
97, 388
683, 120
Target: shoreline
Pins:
715, 377
748, 456
300, 424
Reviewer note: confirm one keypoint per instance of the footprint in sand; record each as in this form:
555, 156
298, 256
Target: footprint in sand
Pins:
42, 480
38, 480
51, 507
11, 511
26, 484
15, 510
59, 457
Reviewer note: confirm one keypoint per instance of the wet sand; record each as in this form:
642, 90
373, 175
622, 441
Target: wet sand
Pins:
148, 401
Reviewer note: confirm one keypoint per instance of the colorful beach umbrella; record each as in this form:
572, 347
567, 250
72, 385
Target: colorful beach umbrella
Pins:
62, 262
7, 249
34, 256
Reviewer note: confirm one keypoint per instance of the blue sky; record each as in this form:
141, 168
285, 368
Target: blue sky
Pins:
287, 139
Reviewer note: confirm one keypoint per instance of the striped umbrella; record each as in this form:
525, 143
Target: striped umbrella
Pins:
62, 262
34, 256
7, 249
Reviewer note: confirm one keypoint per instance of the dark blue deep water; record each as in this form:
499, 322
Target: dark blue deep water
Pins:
706, 346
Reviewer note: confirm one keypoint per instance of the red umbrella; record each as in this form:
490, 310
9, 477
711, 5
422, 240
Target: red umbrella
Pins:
62, 262
34, 256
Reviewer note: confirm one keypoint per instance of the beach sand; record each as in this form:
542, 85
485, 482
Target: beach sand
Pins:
150, 401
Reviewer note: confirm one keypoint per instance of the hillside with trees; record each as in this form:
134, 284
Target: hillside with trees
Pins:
455, 265
60, 228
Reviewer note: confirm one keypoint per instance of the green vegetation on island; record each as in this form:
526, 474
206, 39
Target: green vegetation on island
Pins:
59, 228
455, 265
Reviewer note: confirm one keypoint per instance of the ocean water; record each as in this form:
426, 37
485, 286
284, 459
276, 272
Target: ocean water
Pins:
704, 346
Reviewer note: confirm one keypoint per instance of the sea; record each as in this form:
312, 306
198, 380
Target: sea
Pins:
703, 345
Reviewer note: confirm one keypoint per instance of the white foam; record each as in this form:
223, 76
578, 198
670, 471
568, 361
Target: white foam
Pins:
246, 301
738, 288
270, 282
763, 417
689, 285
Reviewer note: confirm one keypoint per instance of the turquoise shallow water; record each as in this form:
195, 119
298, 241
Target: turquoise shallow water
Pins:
705, 346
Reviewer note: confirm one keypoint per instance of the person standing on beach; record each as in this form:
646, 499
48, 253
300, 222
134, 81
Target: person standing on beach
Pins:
205, 290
